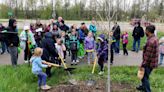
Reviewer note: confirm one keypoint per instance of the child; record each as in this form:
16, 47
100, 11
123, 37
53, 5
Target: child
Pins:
74, 46
112, 41
37, 68
60, 47
63, 44
124, 38
161, 49
27, 42
102, 52
89, 45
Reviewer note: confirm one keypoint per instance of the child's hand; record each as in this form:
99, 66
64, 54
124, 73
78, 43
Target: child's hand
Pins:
49, 65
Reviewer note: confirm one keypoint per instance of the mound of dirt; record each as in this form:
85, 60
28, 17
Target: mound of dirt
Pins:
81, 87
100, 86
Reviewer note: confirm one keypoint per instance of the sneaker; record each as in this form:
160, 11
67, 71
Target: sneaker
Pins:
101, 72
140, 88
45, 87
77, 61
73, 62
26, 61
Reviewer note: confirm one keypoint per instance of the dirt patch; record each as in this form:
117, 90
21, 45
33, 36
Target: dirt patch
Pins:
122, 87
100, 86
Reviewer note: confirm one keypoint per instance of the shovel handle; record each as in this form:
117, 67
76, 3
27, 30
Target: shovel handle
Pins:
47, 63
62, 61
94, 65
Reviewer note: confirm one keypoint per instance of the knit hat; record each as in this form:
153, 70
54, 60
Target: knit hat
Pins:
26, 28
101, 37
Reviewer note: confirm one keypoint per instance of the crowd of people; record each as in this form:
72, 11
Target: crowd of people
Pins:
56, 41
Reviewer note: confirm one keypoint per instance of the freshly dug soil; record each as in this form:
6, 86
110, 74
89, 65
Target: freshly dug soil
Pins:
100, 86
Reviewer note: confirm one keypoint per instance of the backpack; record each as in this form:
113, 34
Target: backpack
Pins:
73, 45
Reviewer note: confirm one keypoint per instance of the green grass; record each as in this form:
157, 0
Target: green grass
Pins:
129, 75
20, 79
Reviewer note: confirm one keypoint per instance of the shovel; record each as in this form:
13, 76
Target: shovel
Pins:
71, 80
91, 81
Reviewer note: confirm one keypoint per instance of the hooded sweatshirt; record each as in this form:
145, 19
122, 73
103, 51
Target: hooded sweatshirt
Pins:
48, 46
12, 38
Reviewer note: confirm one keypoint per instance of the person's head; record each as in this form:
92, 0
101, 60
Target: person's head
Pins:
38, 52
111, 33
73, 32
149, 30
74, 26
82, 25
58, 41
26, 28
101, 37
59, 19
51, 21
125, 32
12, 23
61, 22
138, 24
62, 34
90, 34
93, 22
55, 27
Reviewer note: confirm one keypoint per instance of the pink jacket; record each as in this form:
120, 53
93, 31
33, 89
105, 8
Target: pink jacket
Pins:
125, 38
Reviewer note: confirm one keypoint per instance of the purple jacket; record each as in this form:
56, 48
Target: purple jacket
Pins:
89, 43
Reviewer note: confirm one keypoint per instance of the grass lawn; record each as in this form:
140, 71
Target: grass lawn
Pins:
129, 75
21, 79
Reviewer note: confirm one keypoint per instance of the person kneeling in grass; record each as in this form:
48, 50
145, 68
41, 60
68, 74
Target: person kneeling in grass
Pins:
102, 52
37, 68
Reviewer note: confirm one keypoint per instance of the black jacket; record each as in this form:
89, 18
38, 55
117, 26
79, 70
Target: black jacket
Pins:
12, 38
48, 46
138, 32
64, 28
116, 32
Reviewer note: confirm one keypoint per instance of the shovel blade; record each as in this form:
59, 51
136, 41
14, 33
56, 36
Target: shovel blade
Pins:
91, 83
73, 82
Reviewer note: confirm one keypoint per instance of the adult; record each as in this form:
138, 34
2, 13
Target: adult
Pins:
92, 27
32, 28
82, 35
55, 31
38, 24
150, 57
59, 20
49, 50
3, 40
63, 26
51, 24
137, 34
116, 34
13, 41
27, 43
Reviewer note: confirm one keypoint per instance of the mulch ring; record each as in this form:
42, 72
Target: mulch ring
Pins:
99, 87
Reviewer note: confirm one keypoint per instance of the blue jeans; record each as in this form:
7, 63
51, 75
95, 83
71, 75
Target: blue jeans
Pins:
89, 54
117, 46
4, 46
145, 80
161, 58
138, 45
42, 78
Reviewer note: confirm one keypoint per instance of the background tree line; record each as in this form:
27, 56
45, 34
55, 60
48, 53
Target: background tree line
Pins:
121, 10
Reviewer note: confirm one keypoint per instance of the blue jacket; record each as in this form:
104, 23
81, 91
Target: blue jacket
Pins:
37, 65
93, 28
81, 35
